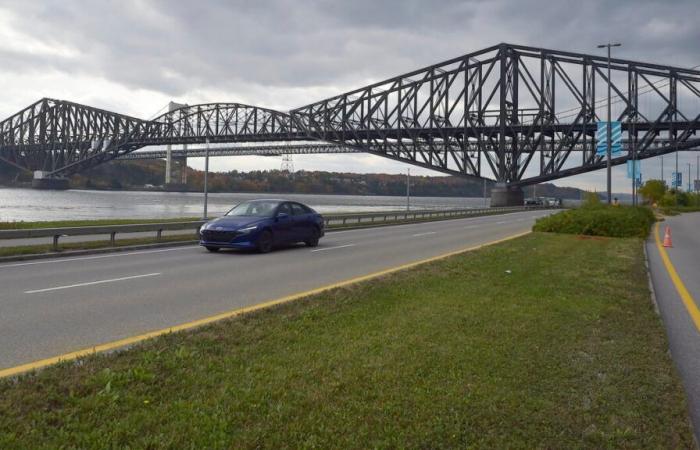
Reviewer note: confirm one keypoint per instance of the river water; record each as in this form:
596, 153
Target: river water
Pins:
31, 205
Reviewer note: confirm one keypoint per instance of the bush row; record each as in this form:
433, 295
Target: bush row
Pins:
612, 221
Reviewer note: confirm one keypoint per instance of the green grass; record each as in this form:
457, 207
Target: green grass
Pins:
87, 223
610, 221
89, 245
565, 351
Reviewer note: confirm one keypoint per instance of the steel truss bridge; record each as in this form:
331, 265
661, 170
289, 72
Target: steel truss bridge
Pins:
516, 114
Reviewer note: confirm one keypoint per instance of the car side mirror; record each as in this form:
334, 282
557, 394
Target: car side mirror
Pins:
282, 216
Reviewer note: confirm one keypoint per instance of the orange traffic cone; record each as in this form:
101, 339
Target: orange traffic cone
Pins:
667, 237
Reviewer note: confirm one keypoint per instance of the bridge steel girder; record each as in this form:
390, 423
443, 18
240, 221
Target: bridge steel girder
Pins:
503, 101
63, 138
495, 111
248, 150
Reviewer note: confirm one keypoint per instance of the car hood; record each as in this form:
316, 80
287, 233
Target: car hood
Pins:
232, 223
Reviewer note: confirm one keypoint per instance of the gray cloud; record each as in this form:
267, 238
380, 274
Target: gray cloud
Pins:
175, 47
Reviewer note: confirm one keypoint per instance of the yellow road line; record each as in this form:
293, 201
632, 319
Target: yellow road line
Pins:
688, 300
229, 314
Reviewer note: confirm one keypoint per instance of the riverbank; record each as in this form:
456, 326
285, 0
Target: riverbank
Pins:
517, 353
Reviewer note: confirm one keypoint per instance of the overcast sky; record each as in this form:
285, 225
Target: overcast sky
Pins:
134, 56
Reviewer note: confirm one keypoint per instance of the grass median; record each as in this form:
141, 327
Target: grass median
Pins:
21, 225
545, 341
90, 245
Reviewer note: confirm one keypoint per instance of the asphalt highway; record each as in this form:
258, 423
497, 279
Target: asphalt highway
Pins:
51, 307
683, 332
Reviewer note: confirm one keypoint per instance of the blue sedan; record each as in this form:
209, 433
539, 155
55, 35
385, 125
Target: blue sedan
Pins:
262, 225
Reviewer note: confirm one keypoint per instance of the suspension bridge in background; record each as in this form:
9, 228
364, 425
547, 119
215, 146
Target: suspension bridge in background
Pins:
513, 114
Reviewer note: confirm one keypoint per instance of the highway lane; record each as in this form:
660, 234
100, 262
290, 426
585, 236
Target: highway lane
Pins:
683, 332
49, 307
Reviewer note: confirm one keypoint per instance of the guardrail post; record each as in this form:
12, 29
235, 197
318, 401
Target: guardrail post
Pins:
112, 236
159, 234
55, 242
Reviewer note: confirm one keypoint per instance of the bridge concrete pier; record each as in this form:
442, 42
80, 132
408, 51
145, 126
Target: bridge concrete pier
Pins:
502, 195
175, 172
40, 181
175, 167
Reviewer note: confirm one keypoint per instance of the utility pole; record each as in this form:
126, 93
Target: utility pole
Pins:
689, 185
675, 182
408, 189
206, 179
697, 172
662, 169
634, 166
609, 127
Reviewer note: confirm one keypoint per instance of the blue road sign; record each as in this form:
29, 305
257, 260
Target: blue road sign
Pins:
677, 179
602, 137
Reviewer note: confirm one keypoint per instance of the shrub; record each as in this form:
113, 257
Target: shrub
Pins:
612, 221
591, 201
653, 191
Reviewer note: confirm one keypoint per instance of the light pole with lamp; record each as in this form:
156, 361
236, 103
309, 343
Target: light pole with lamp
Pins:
408, 189
206, 178
609, 45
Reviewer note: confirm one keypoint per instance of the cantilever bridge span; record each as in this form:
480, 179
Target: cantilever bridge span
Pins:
516, 114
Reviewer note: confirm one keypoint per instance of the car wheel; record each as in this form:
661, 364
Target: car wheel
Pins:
265, 242
313, 240
213, 249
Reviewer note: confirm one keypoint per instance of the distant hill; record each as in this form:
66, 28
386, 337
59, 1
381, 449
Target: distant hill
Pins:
137, 174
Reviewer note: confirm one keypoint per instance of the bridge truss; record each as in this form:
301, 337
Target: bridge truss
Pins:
517, 114
525, 111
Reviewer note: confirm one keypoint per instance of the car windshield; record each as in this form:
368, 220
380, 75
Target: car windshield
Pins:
257, 208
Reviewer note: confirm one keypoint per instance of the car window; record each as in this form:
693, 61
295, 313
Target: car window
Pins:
297, 209
284, 208
256, 208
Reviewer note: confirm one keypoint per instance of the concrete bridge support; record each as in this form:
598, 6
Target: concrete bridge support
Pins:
175, 171
175, 168
40, 182
502, 195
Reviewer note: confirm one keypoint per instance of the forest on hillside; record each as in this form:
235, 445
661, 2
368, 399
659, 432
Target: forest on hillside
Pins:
137, 174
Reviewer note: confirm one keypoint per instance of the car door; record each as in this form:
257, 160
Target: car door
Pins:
283, 228
302, 226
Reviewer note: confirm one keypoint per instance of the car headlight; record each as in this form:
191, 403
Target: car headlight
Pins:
247, 229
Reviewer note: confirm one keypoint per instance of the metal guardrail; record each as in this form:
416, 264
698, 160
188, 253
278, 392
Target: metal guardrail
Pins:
111, 230
331, 220
396, 216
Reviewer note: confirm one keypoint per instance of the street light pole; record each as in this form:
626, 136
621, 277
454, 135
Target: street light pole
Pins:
609, 126
689, 190
206, 179
408, 189
675, 181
